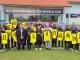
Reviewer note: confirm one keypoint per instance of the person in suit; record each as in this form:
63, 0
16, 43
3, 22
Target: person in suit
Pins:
20, 33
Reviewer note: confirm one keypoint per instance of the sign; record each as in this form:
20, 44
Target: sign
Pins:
33, 11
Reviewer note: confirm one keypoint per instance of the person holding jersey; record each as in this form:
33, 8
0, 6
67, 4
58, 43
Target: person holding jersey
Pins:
2, 45
78, 39
48, 31
54, 37
67, 37
74, 30
60, 37
39, 37
74, 39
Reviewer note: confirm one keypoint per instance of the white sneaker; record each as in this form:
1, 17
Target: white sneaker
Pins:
52, 48
61, 48
76, 51
71, 49
25, 46
1, 51
40, 48
31, 46
36, 49
55, 48
58, 47
12, 48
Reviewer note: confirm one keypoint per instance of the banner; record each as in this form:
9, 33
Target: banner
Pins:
54, 34
14, 36
74, 38
4, 38
47, 35
33, 37
78, 37
33, 11
60, 35
68, 36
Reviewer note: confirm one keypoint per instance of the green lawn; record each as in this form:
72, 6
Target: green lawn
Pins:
40, 55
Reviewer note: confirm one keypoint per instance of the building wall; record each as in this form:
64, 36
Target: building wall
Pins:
2, 14
75, 9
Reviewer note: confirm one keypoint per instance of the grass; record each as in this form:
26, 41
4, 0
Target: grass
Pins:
40, 55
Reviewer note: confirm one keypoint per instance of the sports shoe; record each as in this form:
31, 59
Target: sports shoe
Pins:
76, 51
71, 49
58, 47
36, 49
55, 48
40, 48
52, 48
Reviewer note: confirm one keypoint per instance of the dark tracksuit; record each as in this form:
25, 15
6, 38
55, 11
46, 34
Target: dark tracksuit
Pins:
54, 41
29, 30
39, 38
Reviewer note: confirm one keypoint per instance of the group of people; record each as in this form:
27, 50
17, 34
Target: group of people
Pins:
48, 36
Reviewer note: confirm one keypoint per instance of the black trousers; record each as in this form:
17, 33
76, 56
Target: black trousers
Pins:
13, 44
38, 43
29, 44
71, 45
60, 43
67, 44
6, 46
54, 42
75, 46
20, 47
